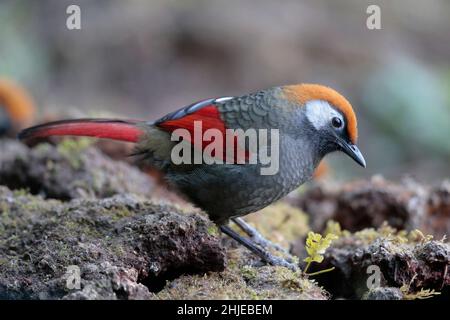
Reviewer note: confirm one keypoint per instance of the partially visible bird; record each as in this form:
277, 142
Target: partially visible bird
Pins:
16, 107
313, 120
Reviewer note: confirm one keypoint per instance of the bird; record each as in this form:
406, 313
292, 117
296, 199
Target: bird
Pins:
16, 107
311, 120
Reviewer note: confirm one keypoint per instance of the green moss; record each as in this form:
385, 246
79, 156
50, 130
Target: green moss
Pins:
118, 250
334, 227
34, 206
369, 235
97, 182
4, 209
212, 230
119, 213
248, 273
81, 227
42, 148
3, 261
224, 285
280, 223
71, 149
240, 281
71, 146
21, 192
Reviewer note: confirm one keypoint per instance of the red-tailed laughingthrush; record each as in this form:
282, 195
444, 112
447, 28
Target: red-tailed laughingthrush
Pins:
312, 120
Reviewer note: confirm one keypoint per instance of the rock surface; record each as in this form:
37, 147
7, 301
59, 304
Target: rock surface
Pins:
67, 171
123, 246
75, 224
89, 215
364, 204
397, 258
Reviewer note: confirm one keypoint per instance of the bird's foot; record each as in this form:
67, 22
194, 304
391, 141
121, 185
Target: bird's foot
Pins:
259, 239
263, 254
277, 261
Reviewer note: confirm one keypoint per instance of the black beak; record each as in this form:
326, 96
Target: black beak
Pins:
353, 152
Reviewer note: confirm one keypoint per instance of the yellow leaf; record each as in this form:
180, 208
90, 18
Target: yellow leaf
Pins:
316, 246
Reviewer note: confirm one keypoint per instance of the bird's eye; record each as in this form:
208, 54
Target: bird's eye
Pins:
336, 122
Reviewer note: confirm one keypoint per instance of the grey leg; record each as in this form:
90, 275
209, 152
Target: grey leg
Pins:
266, 256
259, 239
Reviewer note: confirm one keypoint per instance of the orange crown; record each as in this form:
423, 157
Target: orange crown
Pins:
302, 93
17, 102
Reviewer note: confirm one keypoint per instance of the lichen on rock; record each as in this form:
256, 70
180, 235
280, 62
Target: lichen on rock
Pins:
70, 206
363, 204
243, 281
126, 247
401, 259
123, 246
67, 171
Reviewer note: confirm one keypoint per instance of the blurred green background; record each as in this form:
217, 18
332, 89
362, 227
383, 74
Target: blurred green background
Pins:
146, 58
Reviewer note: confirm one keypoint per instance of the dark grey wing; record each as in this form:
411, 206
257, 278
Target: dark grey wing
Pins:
178, 114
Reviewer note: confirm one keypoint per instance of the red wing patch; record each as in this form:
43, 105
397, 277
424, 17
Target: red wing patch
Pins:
209, 118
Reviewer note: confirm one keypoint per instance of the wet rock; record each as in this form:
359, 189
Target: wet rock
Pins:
246, 276
436, 218
124, 247
366, 204
67, 171
395, 257
113, 283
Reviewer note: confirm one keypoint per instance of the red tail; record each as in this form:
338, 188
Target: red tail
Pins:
123, 130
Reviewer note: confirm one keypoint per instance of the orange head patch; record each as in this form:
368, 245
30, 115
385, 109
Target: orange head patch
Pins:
302, 93
17, 102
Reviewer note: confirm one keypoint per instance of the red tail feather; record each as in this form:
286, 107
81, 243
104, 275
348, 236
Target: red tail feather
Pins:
123, 130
